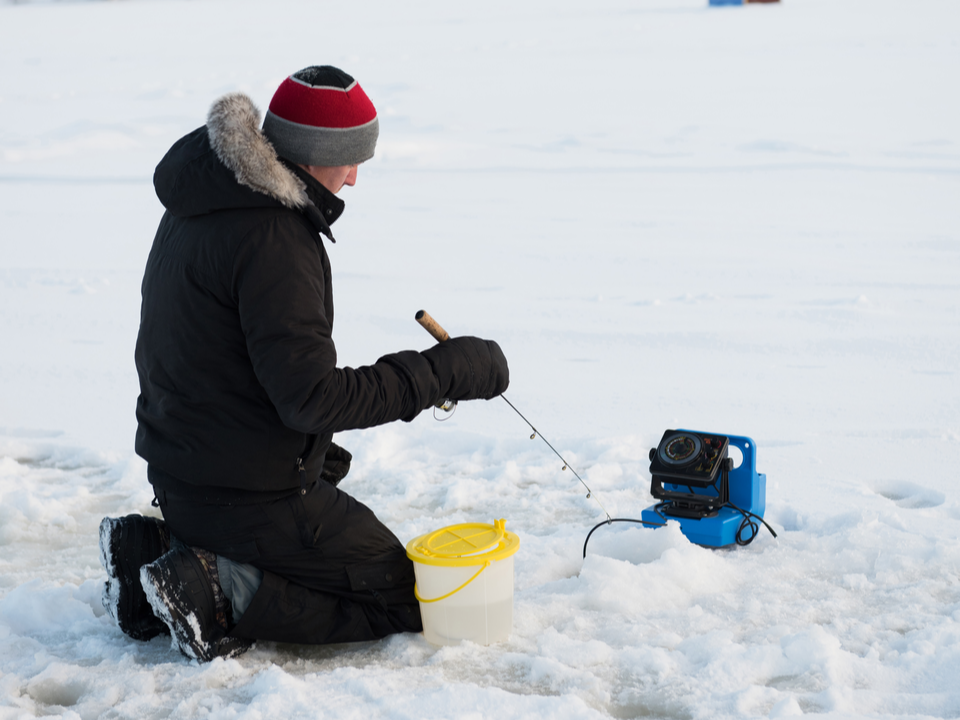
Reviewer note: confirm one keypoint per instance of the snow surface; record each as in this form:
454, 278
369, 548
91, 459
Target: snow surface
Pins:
741, 220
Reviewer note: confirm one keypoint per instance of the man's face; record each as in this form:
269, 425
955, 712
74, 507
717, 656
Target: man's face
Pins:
333, 178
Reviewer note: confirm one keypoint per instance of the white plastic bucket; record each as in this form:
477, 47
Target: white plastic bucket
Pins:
465, 582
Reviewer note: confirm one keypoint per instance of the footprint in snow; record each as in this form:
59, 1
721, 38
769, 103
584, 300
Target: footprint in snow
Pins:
908, 495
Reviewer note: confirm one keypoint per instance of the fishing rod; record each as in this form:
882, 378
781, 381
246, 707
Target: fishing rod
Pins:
447, 405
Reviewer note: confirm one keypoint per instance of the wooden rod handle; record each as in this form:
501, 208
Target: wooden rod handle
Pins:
431, 326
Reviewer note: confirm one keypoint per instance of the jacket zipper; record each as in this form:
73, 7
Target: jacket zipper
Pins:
303, 476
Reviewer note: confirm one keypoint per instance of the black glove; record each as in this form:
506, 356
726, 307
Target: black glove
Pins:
469, 368
336, 464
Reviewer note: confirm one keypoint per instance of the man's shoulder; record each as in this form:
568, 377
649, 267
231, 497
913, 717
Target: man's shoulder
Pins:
276, 227
221, 243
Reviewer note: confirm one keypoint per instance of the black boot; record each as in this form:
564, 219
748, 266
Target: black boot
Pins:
182, 593
126, 545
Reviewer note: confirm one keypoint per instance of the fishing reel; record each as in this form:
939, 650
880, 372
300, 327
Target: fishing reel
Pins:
447, 408
445, 405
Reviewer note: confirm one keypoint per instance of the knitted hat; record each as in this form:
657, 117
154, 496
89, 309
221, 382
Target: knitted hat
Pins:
321, 116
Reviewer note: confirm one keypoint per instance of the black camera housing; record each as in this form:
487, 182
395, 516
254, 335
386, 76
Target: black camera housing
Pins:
689, 473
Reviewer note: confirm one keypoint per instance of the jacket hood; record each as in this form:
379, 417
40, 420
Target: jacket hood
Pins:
230, 164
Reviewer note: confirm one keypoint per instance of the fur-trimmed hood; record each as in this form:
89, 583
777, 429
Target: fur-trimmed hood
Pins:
233, 126
229, 163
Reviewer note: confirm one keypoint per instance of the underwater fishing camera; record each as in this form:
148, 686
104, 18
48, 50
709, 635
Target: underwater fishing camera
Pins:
716, 501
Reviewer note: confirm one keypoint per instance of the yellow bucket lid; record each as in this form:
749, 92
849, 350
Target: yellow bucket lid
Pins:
464, 544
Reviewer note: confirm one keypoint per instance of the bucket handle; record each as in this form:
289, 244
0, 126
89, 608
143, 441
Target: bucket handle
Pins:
416, 593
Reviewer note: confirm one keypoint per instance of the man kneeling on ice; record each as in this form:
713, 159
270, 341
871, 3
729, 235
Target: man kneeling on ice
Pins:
240, 393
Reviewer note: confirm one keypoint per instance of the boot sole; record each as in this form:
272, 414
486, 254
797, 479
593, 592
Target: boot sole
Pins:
123, 596
176, 587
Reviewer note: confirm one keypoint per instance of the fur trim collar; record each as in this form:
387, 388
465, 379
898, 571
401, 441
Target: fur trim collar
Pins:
233, 126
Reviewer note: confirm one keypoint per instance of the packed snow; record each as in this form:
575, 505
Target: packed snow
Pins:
740, 220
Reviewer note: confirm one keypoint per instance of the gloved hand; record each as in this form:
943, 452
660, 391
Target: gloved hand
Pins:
336, 464
469, 368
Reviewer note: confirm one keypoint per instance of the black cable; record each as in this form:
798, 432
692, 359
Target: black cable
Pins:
613, 520
754, 529
747, 523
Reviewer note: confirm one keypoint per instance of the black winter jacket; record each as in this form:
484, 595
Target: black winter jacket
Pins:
239, 384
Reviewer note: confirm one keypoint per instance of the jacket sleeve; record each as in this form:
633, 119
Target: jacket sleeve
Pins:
285, 307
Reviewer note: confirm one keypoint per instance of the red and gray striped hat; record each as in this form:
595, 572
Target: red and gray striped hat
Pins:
321, 116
